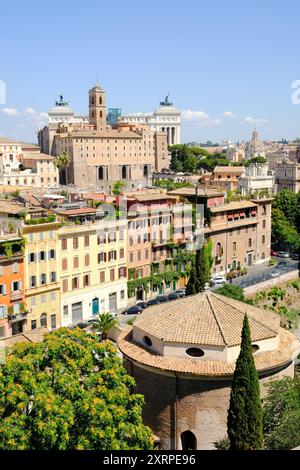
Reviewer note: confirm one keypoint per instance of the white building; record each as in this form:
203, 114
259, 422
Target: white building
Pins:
24, 165
165, 119
257, 178
254, 148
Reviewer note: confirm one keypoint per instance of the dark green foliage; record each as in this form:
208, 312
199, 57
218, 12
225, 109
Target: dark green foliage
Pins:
281, 414
199, 273
244, 422
232, 291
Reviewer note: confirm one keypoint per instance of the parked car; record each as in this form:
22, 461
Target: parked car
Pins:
134, 310
173, 296
81, 325
162, 298
283, 254
295, 256
274, 253
281, 264
141, 304
218, 280
153, 302
180, 292
275, 273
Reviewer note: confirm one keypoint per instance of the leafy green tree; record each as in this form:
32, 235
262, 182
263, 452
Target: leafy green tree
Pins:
283, 231
105, 322
62, 161
69, 392
281, 414
118, 187
288, 202
244, 422
232, 291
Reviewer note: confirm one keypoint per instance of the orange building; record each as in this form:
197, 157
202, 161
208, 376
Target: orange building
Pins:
13, 312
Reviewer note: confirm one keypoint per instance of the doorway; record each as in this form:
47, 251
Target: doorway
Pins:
95, 306
188, 441
77, 312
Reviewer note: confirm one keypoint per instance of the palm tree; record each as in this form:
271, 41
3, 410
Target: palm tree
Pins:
106, 321
62, 161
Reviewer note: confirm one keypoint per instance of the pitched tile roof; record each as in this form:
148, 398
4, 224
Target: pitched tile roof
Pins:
287, 350
207, 319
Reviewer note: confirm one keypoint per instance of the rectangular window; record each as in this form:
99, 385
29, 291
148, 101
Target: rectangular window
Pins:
101, 238
122, 273
15, 286
102, 276
234, 247
112, 237
64, 264
263, 239
147, 253
264, 224
122, 294
75, 243
43, 299
3, 311
122, 253
65, 285
33, 324
64, 244
76, 262
31, 237
86, 240
139, 255
32, 301
53, 321
250, 242
112, 274
53, 296
131, 257
2, 289
75, 283
43, 279
42, 236
52, 254
31, 257
65, 311
101, 257
53, 276
42, 256
87, 260
86, 280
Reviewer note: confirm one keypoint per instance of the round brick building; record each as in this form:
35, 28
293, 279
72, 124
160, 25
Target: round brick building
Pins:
182, 355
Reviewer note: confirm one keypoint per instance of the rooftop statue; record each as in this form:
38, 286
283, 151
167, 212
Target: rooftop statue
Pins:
166, 102
61, 101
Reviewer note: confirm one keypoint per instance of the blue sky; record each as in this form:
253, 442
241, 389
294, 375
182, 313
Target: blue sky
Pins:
227, 64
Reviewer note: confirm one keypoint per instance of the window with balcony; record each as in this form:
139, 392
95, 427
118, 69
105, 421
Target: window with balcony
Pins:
75, 283
43, 279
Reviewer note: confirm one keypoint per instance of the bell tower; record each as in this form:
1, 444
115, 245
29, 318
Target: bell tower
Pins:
97, 108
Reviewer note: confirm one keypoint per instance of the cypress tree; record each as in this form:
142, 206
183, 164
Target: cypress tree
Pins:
191, 285
201, 270
244, 422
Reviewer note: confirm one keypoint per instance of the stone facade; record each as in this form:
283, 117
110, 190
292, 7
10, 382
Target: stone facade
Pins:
287, 175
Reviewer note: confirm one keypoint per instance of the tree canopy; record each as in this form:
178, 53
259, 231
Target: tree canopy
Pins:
69, 392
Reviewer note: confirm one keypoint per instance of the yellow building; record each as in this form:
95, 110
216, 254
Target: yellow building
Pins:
92, 267
42, 289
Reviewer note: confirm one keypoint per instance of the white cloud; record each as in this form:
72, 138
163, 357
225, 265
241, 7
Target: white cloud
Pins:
199, 117
29, 111
10, 111
254, 121
228, 114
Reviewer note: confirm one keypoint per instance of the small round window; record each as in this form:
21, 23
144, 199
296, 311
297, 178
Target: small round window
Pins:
195, 352
255, 348
147, 341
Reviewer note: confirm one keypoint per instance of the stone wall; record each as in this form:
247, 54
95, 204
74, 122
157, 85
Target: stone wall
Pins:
177, 404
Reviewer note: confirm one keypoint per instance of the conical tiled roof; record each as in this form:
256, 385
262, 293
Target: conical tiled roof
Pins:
206, 319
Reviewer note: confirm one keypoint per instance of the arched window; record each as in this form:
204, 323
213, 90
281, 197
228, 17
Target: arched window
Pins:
101, 114
188, 441
43, 320
255, 348
100, 173
92, 100
145, 171
147, 341
124, 172
100, 100
195, 352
